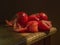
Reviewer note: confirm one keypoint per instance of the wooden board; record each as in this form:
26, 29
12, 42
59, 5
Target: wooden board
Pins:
9, 37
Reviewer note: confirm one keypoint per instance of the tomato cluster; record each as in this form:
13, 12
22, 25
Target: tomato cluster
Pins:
33, 23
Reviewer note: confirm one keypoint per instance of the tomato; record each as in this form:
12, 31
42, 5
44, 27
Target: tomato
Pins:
33, 18
22, 18
42, 16
33, 26
44, 25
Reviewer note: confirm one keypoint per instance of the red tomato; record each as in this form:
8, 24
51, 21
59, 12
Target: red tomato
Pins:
44, 25
33, 26
22, 18
42, 16
33, 18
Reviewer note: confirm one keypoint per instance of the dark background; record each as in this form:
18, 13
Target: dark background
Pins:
8, 8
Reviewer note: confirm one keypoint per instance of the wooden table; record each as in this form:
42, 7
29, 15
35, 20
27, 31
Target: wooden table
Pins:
8, 37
